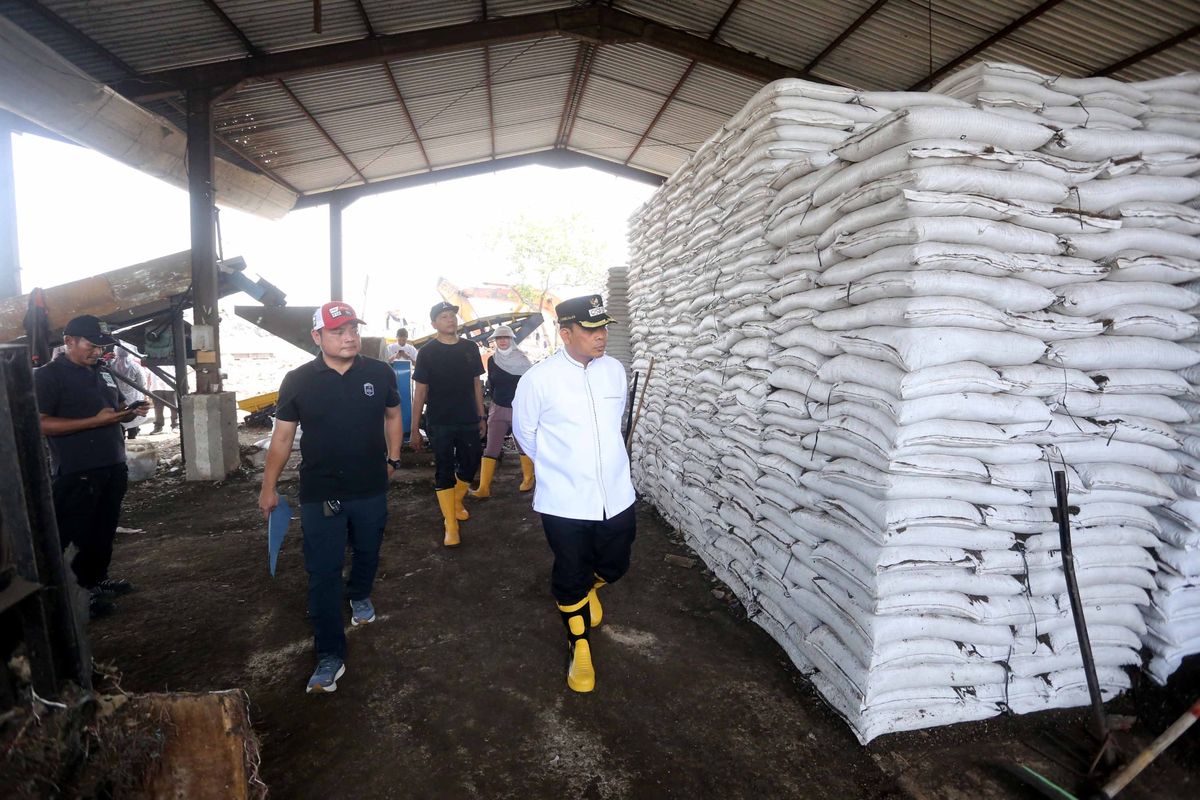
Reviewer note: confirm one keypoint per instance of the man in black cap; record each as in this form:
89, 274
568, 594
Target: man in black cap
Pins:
81, 415
446, 380
567, 417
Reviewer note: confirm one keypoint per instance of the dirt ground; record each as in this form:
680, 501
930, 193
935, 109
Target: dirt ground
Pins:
458, 689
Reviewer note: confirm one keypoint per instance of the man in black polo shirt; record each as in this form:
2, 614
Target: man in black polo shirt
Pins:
446, 378
349, 409
81, 415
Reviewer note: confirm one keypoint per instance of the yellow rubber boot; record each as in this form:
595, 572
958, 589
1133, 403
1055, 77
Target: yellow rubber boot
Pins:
581, 675
487, 468
526, 473
460, 491
446, 501
595, 610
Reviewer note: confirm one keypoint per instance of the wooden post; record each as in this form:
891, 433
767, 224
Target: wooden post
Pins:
205, 320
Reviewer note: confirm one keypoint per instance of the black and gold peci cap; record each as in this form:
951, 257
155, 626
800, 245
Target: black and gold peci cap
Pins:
588, 311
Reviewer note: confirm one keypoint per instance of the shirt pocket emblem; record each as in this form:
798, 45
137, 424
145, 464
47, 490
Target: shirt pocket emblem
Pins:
369, 389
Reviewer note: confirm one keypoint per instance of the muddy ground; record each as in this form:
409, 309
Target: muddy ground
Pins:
458, 689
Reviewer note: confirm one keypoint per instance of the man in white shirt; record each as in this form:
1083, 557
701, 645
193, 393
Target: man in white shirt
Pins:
401, 350
567, 418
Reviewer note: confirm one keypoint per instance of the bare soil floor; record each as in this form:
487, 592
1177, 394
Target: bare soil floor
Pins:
458, 689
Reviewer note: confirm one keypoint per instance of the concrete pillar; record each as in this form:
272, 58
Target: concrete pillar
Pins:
210, 436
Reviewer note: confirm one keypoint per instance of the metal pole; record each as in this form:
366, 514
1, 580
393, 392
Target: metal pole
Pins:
1081, 631
335, 250
10, 259
178, 334
205, 320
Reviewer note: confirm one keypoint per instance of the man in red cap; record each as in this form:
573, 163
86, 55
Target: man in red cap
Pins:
349, 409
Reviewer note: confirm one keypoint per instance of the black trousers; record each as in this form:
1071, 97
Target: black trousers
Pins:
585, 549
456, 453
88, 506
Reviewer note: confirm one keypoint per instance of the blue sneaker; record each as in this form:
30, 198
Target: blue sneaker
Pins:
325, 676
361, 612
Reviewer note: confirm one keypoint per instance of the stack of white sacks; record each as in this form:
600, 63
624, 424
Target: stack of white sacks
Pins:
617, 303
877, 332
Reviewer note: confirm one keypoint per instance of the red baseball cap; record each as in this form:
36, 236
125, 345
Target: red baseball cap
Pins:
334, 315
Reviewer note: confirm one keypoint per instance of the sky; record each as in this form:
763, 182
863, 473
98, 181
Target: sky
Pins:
80, 213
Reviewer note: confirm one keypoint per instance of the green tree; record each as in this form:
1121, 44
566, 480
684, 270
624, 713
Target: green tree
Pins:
547, 252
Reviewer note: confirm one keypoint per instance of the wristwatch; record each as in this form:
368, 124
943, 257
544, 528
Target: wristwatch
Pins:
394, 463
482, 418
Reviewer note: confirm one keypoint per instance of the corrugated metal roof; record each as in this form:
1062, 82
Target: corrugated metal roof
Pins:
629, 84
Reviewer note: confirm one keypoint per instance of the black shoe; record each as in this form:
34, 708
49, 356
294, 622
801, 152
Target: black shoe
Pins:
114, 586
100, 604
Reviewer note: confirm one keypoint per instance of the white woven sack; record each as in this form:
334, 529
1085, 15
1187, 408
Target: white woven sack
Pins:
915, 124
958, 376
919, 312
927, 347
1009, 294
1002, 236
1085, 144
1140, 381
912, 203
1093, 299
935, 152
1096, 196
1148, 320
1154, 269
1174, 217
1116, 352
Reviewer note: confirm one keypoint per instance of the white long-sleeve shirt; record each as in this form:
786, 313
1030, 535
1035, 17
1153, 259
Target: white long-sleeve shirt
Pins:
567, 418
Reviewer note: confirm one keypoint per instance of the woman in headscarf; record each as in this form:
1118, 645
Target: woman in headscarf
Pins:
504, 369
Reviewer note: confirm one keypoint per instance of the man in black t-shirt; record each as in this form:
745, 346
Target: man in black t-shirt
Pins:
349, 409
448, 390
81, 415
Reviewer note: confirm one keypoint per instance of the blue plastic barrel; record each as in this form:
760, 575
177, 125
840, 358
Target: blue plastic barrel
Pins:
403, 370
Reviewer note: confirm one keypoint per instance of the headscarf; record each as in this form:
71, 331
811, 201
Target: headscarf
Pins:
510, 359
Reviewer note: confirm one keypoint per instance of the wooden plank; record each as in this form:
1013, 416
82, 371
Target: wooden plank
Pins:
205, 753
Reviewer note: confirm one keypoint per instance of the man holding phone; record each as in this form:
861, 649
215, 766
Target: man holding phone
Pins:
81, 416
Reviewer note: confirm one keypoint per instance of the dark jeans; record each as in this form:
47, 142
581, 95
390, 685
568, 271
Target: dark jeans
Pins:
456, 452
586, 549
88, 505
361, 522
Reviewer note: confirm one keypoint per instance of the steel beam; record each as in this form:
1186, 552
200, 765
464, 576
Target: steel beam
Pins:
682, 79
335, 249
584, 57
1004, 32
597, 24
201, 196
82, 39
412, 124
365, 17
10, 256
1154, 50
846, 34
321, 129
487, 81
560, 159
251, 48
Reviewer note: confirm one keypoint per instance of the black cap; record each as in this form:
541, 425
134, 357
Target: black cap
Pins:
439, 308
94, 329
588, 311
